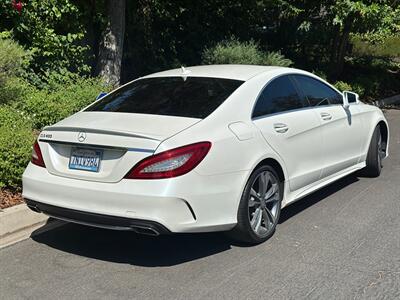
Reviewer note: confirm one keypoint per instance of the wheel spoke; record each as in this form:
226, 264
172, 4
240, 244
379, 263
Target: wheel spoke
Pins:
381, 149
254, 194
271, 192
254, 198
272, 199
263, 184
265, 218
259, 220
270, 215
381, 153
256, 220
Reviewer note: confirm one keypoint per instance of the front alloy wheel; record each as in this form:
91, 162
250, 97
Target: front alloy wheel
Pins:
376, 154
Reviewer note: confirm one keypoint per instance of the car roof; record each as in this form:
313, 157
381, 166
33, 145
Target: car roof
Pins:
237, 72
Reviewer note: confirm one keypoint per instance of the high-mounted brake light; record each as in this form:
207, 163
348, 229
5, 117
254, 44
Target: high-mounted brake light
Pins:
171, 163
37, 157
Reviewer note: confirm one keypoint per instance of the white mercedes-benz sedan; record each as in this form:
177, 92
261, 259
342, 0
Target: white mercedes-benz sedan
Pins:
206, 148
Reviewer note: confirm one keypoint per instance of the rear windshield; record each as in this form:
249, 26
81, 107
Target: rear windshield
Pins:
193, 97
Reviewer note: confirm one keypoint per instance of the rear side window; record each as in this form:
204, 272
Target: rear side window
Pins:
193, 97
278, 96
317, 92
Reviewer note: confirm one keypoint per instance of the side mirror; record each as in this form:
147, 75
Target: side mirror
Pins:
349, 98
101, 95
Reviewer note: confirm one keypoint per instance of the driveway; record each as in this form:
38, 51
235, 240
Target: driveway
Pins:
342, 242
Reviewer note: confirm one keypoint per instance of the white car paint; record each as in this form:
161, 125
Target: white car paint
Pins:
312, 153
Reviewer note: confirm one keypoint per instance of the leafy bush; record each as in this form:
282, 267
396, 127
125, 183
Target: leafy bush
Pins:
60, 100
235, 52
321, 74
342, 86
276, 59
12, 58
13, 63
354, 87
53, 31
374, 78
16, 140
389, 47
13, 90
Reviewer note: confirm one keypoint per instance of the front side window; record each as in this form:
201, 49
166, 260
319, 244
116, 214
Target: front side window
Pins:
278, 96
317, 92
192, 97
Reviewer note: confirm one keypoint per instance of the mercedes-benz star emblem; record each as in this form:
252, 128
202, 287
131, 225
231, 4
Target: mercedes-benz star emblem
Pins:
82, 136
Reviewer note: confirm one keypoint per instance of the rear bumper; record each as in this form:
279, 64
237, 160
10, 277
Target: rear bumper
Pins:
98, 220
189, 203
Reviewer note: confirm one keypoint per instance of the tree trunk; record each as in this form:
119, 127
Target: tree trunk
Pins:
339, 49
112, 43
344, 41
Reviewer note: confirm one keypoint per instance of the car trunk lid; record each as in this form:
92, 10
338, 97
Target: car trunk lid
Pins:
117, 140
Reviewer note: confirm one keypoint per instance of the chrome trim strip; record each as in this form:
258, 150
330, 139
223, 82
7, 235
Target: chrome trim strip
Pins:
140, 150
97, 146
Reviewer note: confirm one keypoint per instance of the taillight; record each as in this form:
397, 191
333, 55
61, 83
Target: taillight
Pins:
171, 163
37, 157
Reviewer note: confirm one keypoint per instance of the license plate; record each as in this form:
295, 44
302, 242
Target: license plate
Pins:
85, 159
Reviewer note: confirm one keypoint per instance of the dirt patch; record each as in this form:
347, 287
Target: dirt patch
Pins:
9, 198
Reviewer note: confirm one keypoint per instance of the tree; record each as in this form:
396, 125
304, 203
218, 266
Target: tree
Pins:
371, 19
111, 47
52, 32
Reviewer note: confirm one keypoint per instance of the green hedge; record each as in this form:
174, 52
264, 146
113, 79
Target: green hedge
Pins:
29, 111
25, 108
16, 138
49, 106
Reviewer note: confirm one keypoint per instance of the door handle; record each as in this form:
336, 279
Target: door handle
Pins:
280, 127
325, 116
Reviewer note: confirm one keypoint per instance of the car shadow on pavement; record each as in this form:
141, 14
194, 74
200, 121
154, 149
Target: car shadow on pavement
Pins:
168, 250
310, 200
131, 248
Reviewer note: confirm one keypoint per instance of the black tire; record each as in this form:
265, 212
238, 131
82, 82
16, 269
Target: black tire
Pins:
375, 155
243, 231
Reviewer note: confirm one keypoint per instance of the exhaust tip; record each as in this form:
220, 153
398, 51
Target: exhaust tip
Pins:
145, 230
34, 208
32, 205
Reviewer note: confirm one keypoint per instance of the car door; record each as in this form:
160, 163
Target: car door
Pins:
341, 127
292, 129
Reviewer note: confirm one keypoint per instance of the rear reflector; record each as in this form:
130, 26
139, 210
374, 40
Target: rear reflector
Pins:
171, 163
37, 157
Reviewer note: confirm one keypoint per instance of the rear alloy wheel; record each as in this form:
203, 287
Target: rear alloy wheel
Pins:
376, 153
260, 207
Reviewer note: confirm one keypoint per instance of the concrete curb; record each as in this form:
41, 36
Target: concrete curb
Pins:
18, 222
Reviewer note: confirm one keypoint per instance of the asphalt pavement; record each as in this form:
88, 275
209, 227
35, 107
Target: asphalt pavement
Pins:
342, 242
